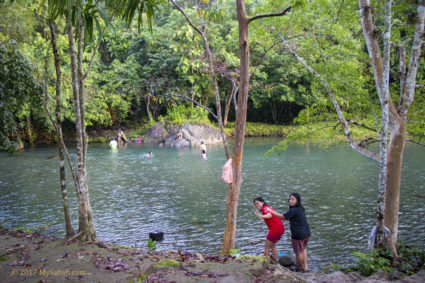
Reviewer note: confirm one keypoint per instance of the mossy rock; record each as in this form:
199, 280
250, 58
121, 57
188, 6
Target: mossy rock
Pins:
168, 263
261, 259
100, 140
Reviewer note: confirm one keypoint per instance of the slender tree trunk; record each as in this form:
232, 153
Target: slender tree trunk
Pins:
202, 33
68, 221
148, 103
392, 198
396, 118
274, 111
234, 189
240, 123
28, 128
384, 97
86, 225
217, 95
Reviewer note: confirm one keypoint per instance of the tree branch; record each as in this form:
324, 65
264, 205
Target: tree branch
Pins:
92, 57
416, 142
187, 18
269, 15
353, 145
361, 125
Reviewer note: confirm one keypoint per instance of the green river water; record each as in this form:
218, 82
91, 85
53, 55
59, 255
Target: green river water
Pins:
177, 193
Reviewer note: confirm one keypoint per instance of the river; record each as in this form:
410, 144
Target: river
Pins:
176, 192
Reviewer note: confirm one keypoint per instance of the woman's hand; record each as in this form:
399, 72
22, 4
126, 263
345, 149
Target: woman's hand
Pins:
258, 215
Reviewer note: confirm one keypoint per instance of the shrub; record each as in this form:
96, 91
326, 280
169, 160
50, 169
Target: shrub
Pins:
181, 114
151, 244
370, 262
100, 140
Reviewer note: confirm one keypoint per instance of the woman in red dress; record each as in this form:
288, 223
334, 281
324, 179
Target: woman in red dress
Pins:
275, 225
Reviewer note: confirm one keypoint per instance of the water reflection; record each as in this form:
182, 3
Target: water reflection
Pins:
176, 192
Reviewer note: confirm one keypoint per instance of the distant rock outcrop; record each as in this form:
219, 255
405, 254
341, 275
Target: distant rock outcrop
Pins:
191, 135
156, 135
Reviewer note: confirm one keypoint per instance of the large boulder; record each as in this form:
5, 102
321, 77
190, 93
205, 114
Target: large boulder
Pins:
156, 135
191, 135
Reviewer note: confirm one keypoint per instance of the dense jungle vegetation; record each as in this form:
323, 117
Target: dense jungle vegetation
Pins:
136, 69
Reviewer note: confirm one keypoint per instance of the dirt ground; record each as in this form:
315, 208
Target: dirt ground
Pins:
32, 257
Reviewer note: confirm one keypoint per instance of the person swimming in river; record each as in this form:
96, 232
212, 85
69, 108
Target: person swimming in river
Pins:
148, 154
204, 156
203, 150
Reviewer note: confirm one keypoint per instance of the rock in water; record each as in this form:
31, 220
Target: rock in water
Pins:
156, 236
286, 260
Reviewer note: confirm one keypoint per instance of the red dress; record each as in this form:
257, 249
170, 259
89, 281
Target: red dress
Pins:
275, 225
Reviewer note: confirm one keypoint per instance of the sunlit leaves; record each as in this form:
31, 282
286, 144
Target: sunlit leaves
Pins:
128, 9
88, 13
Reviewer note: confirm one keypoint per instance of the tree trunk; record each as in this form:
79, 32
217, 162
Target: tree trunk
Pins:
68, 221
148, 104
202, 33
390, 175
28, 128
385, 98
274, 111
217, 96
234, 189
86, 225
392, 197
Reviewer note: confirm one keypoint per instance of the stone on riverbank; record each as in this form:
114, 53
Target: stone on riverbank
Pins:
192, 135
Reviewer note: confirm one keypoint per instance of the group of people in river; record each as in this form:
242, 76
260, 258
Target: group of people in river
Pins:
300, 230
122, 139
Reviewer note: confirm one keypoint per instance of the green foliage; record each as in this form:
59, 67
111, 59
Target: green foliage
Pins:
151, 244
234, 251
260, 129
20, 92
142, 278
180, 114
325, 134
90, 13
99, 140
410, 259
370, 262
142, 9
134, 68
336, 267
277, 148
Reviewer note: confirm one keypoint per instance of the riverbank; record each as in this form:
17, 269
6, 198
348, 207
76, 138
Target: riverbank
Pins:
33, 257
318, 132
